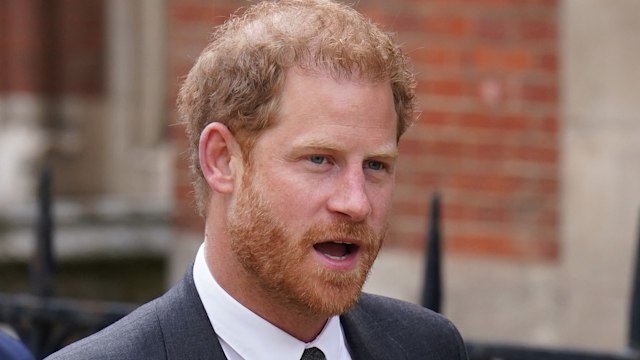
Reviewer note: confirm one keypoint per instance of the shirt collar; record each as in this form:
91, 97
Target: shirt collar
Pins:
230, 319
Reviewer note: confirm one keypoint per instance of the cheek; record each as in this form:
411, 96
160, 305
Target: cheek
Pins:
293, 189
290, 199
380, 199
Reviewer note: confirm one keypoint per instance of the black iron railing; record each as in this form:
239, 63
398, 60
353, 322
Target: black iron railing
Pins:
432, 297
432, 289
45, 323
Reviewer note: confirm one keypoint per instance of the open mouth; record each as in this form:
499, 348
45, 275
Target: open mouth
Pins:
336, 250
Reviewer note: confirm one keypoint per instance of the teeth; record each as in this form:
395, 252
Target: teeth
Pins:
335, 257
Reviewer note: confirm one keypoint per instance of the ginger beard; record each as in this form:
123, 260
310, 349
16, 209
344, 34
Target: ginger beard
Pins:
284, 266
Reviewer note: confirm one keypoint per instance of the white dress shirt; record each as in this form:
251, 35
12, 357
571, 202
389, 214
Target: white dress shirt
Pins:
246, 336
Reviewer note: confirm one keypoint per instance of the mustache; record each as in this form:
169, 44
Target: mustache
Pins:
361, 233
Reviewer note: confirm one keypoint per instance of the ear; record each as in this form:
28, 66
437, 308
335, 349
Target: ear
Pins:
219, 155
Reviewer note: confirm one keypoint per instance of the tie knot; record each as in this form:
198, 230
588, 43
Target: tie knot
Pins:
313, 354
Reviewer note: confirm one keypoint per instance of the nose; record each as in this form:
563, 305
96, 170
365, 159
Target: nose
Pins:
350, 198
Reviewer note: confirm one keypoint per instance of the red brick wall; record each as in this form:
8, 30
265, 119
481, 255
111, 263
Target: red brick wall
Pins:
21, 50
52, 46
487, 135
190, 25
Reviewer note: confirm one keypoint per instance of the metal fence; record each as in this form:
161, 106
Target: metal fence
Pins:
43, 322
432, 299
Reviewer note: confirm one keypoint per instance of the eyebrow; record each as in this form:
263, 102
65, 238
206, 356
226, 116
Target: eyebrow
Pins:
390, 151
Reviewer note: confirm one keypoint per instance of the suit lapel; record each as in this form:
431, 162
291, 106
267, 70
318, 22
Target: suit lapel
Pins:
188, 334
367, 338
186, 329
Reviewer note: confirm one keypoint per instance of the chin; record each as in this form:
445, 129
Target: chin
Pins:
335, 294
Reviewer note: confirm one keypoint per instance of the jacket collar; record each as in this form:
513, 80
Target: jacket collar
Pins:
185, 326
368, 338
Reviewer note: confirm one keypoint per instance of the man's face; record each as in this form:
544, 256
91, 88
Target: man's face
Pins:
310, 215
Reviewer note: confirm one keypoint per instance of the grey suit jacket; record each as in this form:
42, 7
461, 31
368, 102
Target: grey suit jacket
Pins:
176, 326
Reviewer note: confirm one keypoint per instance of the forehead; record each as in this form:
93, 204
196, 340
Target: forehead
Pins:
316, 98
320, 113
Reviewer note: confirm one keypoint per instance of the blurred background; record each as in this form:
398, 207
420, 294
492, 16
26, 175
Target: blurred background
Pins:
529, 130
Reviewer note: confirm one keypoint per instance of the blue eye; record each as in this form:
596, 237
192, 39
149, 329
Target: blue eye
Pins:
318, 159
375, 165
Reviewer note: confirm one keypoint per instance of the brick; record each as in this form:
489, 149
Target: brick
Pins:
547, 186
44, 52
420, 179
476, 120
547, 62
414, 208
548, 218
549, 125
435, 118
199, 13
402, 23
444, 87
537, 30
412, 146
490, 151
491, 29
516, 59
486, 183
484, 58
23, 53
81, 66
538, 154
540, 93
436, 56
445, 148
476, 213
446, 25
503, 247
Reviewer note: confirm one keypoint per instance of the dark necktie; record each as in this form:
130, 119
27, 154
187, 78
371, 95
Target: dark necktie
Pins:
313, 354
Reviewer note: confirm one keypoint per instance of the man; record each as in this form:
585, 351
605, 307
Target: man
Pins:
294, 112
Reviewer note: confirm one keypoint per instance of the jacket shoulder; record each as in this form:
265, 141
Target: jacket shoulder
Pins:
414, 330
135, 336
388, 309
173, 326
